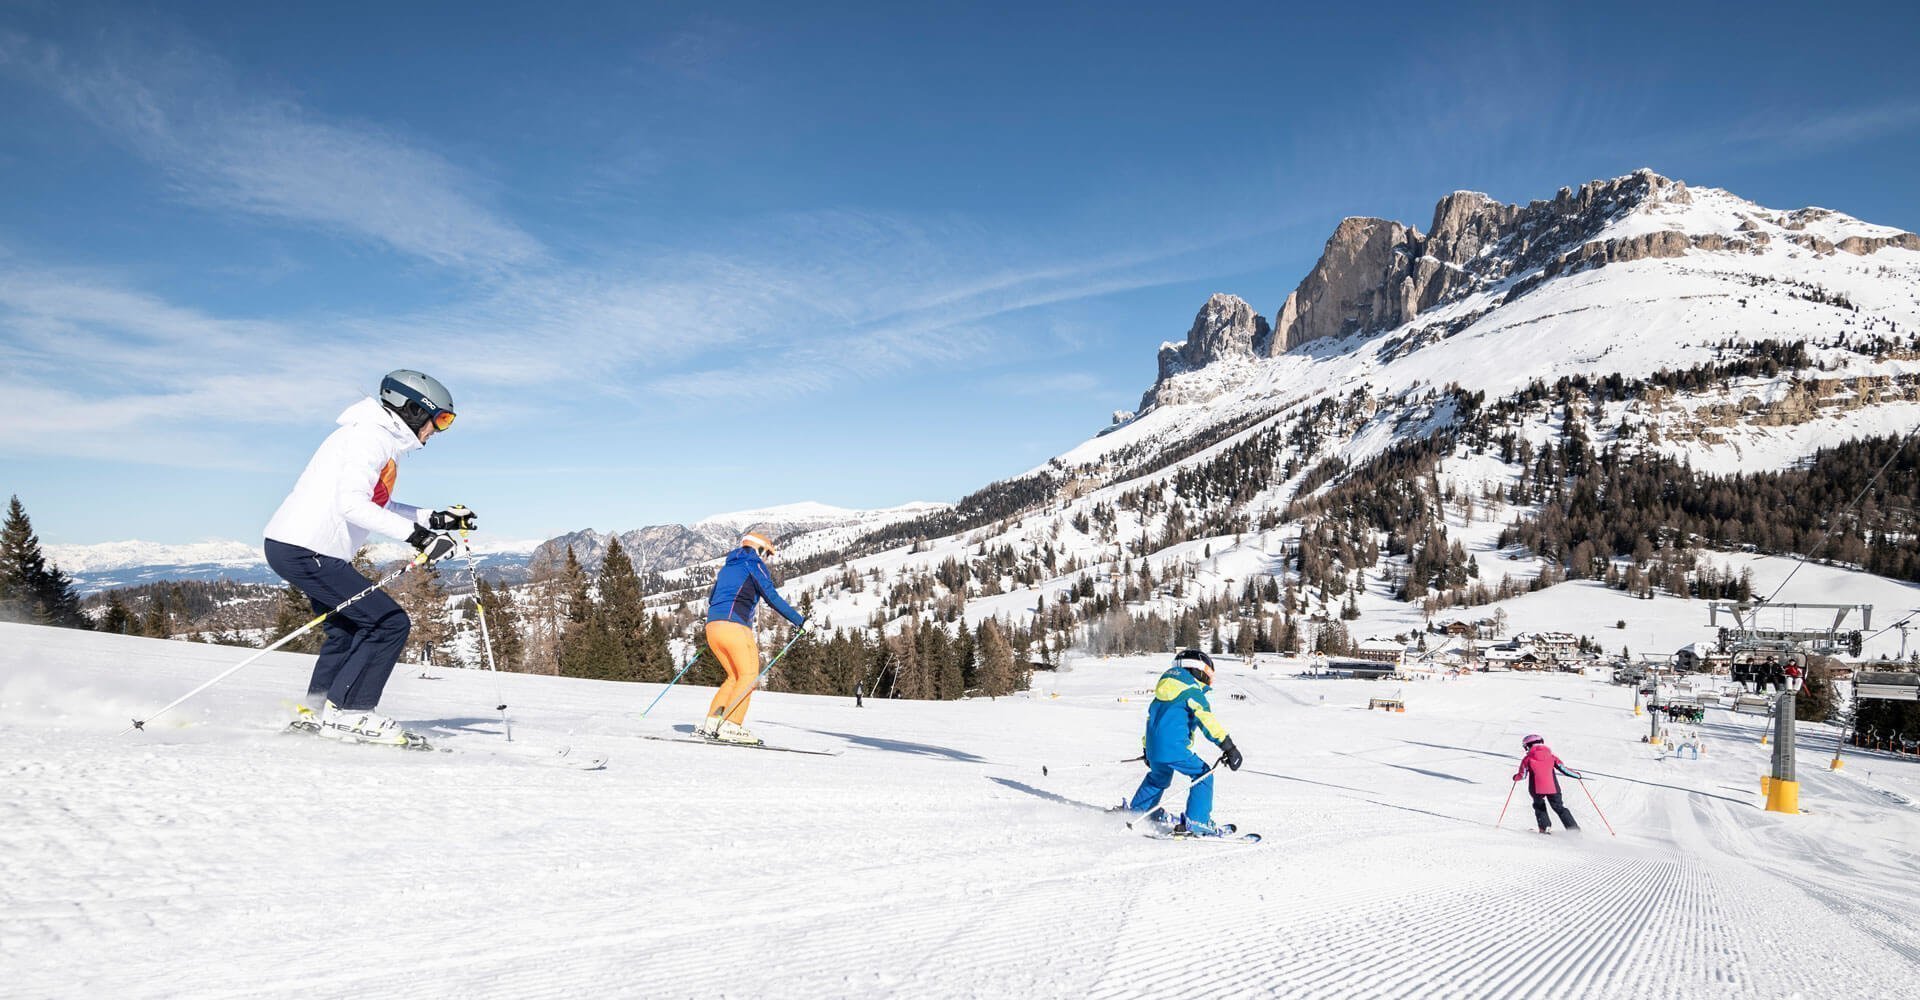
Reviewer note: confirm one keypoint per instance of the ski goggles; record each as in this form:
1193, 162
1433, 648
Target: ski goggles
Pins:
439, 418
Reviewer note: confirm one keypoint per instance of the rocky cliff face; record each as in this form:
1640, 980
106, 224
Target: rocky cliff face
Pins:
657, 548
1225, 328
1375, 274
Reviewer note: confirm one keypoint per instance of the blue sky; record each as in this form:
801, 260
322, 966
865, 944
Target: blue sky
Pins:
676, 259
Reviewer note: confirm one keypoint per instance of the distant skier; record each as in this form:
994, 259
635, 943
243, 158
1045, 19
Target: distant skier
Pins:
736, 595
1545, 768
346, 493
1179, 706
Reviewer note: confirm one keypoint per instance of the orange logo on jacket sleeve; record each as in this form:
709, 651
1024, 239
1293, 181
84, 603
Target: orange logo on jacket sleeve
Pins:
383, 487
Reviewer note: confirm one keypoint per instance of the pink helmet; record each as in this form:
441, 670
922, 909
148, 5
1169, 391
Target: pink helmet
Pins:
1527, 742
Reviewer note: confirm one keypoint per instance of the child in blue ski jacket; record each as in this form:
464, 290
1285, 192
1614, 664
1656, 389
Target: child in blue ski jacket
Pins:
1180, 706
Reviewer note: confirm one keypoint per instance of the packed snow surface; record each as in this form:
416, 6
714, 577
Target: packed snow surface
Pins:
210, 856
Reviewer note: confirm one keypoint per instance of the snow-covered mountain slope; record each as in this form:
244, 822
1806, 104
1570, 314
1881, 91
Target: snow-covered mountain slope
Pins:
1637, 313
1716, 269
952, 849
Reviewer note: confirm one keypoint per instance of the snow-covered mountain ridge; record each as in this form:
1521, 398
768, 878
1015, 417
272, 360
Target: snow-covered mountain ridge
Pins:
1473, 272
663, 547
1636, 313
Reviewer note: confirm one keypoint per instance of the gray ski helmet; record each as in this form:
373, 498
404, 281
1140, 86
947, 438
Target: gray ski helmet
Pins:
415, 396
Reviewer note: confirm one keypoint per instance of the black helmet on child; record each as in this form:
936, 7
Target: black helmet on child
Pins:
1195, 659
418, 399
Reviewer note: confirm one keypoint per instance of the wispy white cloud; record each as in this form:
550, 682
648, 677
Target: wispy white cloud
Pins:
794, 305
1801, 131
89, 367
1044, 384
237, 148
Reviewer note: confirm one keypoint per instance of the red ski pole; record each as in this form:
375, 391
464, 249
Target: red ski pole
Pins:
1596, 808
1504, 805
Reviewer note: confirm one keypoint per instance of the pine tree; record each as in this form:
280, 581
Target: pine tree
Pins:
117, 619
504, 627
996, 673
943, 661
910, 676
30, 589
291, 611
656, 656
621, 618
158, 623
579, 651
423, 598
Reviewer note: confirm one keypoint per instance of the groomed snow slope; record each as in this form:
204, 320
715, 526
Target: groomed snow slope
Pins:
931, 858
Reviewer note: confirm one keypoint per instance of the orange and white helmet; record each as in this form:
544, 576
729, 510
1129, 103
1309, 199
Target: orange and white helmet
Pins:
758, 543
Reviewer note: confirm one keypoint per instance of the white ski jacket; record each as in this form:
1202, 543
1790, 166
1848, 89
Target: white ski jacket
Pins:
346, 491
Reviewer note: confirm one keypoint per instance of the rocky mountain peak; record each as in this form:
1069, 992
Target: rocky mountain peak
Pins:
1225, 328
1376, 274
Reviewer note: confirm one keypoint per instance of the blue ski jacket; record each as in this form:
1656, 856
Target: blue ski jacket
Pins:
737, 591
1179, 705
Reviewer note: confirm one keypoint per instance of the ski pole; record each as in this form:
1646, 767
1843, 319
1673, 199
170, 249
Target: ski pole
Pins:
1203, 776
768, 671
283, 640
486, 641
1596, 807
1504, 805
671, 683
1096, 763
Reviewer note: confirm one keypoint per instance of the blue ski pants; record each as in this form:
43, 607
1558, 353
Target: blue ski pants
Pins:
1160, 776
364, 640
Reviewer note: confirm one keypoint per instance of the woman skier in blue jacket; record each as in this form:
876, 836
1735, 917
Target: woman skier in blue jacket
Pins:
737, 591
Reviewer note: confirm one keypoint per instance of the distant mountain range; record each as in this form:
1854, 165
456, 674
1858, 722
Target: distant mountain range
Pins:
658, 548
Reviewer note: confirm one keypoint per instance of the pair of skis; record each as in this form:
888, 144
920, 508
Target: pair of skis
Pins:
704, 741
563, 756
1162, 825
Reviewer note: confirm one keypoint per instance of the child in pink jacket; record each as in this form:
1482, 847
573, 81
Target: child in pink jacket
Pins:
1545, 768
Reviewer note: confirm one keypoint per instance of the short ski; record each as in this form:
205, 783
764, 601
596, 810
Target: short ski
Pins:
1159, 825
550, 756
699, 741
307, 727
572, 758
1225, 838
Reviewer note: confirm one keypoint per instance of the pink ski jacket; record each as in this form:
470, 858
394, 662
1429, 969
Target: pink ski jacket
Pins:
1542, 765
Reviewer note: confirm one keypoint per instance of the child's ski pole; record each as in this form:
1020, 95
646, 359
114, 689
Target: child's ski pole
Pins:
1596, 807
1504, 805
1097, 763
1202, 776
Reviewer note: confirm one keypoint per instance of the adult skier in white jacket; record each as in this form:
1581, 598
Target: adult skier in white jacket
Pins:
345, 494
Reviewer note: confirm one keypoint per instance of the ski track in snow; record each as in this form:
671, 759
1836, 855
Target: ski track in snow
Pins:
213, 857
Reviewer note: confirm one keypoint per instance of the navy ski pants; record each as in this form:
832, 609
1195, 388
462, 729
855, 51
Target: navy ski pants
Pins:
1160, 776
364, 640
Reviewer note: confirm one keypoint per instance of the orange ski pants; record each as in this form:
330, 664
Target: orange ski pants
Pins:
734, 645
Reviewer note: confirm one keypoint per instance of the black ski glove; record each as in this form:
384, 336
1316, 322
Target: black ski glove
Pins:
431, 545
1231, 754
454, 518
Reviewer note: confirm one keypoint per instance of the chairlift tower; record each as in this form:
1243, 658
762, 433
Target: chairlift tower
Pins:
1774, 631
